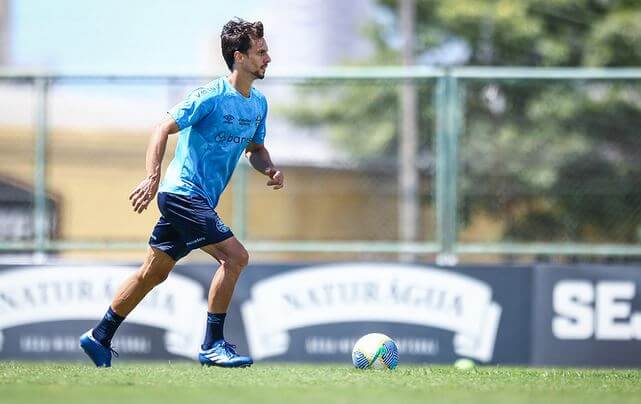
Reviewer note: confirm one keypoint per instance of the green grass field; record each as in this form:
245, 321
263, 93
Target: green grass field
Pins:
188, 383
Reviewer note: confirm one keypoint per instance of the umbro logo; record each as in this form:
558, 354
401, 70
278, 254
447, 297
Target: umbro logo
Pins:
229, 118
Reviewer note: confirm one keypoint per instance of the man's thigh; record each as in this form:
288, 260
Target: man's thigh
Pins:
229, 249
158, 261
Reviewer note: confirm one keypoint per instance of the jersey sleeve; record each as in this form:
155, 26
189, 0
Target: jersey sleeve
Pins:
259, 135
198, 104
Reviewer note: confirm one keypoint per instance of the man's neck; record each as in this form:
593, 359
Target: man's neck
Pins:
241, 82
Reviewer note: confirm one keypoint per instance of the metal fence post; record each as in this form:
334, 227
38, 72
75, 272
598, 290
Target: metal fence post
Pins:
40, 170
448, 116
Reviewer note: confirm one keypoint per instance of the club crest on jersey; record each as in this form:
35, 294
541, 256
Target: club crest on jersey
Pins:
229, 118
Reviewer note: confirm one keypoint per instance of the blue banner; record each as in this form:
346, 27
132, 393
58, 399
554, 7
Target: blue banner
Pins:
302, 313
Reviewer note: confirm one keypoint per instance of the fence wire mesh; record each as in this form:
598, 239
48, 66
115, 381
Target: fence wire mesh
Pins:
552, 161
529, 159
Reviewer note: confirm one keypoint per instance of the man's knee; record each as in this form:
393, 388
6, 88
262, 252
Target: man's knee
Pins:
238, 260
151, 278
156, 269
243, 258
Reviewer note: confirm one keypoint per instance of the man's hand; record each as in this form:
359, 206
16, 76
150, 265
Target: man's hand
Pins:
277, 180
143, 194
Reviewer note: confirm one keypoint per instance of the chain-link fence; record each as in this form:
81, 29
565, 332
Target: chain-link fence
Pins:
551, 161
504, 161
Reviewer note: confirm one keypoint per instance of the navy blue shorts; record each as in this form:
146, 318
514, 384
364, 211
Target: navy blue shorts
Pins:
187, 223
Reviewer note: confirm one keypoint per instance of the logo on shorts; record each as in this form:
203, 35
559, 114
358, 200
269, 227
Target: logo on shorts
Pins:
229, 118
221, 226
192, 242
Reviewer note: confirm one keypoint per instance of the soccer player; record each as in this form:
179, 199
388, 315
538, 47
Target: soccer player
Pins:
217, 123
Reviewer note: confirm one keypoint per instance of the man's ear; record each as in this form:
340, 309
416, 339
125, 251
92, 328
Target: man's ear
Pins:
238, 56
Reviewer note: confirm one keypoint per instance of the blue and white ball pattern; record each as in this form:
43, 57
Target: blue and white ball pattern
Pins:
375, 351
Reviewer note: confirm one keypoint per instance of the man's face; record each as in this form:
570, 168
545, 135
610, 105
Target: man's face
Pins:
257, 58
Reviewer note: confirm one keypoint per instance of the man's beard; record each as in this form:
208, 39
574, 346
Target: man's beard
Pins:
258, 74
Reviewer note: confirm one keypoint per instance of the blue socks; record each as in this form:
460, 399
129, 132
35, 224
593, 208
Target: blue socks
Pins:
106, 328
215, 323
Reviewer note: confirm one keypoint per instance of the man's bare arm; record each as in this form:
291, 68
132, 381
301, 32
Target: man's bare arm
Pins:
145, 192
259, 158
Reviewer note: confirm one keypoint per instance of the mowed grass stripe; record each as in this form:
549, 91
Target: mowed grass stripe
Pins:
35, 382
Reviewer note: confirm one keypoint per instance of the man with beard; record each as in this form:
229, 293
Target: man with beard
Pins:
217, 123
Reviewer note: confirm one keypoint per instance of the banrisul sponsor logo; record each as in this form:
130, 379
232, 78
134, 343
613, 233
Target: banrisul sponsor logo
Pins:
201, 91
31, 295
393, 293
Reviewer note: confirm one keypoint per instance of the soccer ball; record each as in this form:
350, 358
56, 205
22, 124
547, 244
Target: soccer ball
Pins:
375, 351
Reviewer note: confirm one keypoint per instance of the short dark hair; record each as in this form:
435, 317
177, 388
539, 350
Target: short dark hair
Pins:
236, 36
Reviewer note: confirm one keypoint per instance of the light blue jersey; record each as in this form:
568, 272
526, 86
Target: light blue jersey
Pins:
216, 124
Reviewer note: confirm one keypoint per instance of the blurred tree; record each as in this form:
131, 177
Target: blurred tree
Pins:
554, 161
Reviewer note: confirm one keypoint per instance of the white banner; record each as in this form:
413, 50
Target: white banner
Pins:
42, 294
371, 292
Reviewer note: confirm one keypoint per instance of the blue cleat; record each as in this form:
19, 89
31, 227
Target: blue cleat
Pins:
99, 354
223, 354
